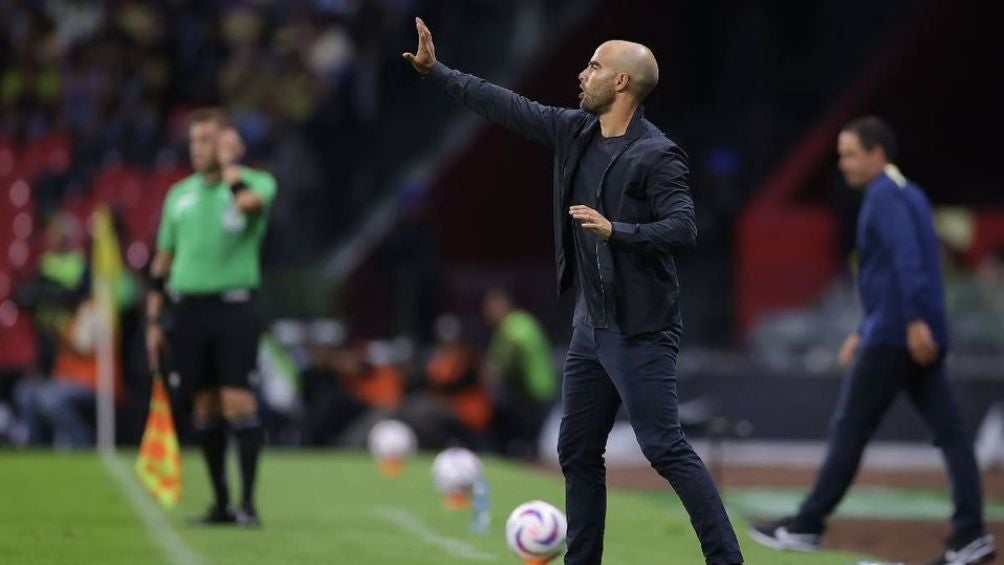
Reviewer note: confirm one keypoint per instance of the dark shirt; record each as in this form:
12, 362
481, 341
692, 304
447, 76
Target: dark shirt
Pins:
594, 304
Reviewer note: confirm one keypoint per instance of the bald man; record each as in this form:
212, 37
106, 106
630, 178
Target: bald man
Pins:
622, 208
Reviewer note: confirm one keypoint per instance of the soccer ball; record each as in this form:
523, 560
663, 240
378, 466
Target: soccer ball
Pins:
455, 470
392, 439
535, 531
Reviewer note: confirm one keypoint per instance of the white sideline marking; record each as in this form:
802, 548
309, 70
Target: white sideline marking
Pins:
413, 524
159, 529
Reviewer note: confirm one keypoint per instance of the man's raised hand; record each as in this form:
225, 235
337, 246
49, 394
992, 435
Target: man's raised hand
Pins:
424, 57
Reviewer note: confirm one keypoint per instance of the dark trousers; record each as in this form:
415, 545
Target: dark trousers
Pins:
875, 380
602, 369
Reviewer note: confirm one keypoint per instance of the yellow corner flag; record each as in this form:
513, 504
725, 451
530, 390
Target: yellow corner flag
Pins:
159, 461
106, 257
106, 269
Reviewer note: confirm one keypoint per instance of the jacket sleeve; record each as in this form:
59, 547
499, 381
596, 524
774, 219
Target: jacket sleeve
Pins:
669, 196
899, 236
536, 121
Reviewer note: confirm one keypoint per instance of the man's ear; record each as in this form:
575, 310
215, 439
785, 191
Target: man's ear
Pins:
622, 83
881, 152
877, 153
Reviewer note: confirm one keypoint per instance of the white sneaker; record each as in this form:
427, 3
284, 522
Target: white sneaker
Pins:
980, 550
785, 535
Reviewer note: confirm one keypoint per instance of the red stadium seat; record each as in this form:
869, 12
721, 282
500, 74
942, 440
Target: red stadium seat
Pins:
17, 219
116, 184
80, 206
6, 282
17, 338
15, 192
50, 153
148, 212
9, 158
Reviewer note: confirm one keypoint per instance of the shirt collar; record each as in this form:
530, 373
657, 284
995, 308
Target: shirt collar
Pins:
895, 175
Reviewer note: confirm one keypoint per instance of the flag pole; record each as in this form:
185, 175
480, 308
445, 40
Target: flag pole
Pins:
106, 369
106, 268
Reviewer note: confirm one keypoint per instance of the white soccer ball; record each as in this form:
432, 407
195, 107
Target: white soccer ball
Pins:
392, 439
455, 470
536, 531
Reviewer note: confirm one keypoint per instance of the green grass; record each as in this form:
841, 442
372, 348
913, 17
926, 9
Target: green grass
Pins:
323, 507
861, 502
66, 509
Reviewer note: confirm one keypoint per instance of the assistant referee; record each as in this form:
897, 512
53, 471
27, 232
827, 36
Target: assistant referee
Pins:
207, 267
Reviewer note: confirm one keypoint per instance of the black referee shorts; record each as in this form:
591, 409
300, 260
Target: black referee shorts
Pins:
213, 340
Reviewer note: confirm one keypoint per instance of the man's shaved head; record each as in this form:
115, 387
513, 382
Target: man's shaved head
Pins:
635, 60
617, 67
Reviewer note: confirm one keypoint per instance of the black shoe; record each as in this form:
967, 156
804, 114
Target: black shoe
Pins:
786, 534
247, 517
215, 516
970, 552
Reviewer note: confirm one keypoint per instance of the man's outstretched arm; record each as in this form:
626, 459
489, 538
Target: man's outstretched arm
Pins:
536, 121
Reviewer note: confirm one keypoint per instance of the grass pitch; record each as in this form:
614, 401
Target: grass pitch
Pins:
317, 507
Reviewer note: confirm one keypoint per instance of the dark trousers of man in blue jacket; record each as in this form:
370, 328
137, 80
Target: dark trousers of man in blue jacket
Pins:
878, 376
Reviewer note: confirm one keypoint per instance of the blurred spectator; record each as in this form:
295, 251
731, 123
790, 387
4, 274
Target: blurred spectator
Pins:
379, 381
280, 392
62, 407
457, 400
328, 406
342, 384
519, 361
59, 285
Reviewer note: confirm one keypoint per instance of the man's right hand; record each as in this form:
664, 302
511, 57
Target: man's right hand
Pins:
424, 57
154, 346
920, 342
848, 350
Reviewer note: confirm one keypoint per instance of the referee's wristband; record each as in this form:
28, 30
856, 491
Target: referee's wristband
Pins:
157, 283
238, 187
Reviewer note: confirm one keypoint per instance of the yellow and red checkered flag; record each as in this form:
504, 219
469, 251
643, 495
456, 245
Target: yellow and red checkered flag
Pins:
159, 463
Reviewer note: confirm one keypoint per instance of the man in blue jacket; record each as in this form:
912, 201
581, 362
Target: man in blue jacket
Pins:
900, 345
622, 206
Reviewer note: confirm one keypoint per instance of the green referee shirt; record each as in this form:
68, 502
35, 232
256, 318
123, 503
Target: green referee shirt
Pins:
215, 247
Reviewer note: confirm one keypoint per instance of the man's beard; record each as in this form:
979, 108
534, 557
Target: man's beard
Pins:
596, 104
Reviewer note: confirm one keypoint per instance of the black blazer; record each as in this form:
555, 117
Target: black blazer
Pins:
654, 214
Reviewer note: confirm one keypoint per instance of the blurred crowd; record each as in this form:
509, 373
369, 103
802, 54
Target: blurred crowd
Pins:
113, 73
318, 383
49, 398
111, 83
451, 392
94, 105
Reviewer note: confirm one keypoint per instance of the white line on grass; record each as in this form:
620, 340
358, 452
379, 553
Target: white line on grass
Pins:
411, 523
160, 530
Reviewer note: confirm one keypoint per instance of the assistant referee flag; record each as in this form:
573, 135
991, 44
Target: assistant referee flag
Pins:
159, 463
